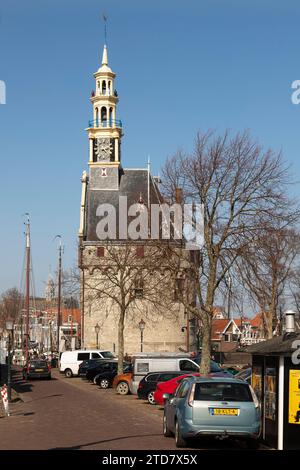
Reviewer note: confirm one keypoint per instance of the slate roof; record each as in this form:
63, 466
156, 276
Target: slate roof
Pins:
275, 346
133, 184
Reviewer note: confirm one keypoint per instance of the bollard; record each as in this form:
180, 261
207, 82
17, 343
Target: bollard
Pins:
5, 399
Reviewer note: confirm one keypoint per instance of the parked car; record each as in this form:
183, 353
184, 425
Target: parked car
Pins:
105, 378
122, 383
162, 363
83, 367
212, 406
245, 374
36, 369
70, 360
171, 385
148, 384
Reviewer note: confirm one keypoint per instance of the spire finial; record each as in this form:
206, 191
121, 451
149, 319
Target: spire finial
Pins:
104, 55
105, 27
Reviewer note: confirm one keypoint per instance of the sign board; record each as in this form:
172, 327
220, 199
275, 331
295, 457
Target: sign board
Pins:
294, 397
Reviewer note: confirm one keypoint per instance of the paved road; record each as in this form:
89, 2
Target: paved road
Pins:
74, 414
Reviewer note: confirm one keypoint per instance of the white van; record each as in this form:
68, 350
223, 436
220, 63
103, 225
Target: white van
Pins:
154, 363
70, 360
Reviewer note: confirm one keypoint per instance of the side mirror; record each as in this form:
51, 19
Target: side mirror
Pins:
166, 396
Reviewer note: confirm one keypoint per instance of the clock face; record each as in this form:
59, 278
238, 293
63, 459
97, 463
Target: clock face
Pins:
103, 149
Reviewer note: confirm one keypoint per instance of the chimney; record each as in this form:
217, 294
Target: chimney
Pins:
289, 321
178, 195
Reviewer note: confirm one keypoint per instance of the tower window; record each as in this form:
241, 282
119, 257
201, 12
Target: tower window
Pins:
109, 87
139, 288
140, 252
178, 291
103, 115
100, 251
104, 87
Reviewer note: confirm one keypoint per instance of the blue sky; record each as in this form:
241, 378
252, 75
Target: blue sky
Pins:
181, 66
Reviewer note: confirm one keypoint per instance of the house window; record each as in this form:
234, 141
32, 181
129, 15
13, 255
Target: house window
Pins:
227, 338
235, 337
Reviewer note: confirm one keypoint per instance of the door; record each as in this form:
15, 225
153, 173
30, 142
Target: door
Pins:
174, 407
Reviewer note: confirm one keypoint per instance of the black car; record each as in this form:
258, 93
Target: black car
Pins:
36, 369
102, 365
148, 384
85, 365
105, 378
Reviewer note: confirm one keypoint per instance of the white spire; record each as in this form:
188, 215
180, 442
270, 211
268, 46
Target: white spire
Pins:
104, 67
104, 55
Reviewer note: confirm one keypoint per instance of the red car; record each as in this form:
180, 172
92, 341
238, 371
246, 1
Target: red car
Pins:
171, 385
168, 387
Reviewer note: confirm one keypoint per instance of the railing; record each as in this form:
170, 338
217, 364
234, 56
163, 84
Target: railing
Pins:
110, 123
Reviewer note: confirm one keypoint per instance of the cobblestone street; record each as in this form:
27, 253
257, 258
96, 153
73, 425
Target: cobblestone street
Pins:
75, 414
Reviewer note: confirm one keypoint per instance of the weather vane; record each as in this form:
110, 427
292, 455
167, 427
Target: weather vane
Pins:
105, 28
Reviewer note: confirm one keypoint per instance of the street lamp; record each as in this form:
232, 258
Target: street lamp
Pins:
97, 330
9, 327
142, 325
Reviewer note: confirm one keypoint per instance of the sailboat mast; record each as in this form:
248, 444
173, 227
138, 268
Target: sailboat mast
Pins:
27, 295
59, 291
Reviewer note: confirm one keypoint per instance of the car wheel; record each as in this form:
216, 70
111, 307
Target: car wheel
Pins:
95, 380
68, 373
123, 388
166, 430
179, 440
150, 398
104, 383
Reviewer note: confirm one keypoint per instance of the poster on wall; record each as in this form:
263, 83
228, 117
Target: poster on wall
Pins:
294, 397
270, 393
257, 381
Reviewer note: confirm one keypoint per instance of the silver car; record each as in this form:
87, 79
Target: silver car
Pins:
213, 406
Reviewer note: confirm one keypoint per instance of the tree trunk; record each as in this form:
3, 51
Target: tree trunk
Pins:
207, 313
206, 339
121, 341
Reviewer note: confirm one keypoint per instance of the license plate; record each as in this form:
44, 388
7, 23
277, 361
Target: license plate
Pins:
224, 411
39, 370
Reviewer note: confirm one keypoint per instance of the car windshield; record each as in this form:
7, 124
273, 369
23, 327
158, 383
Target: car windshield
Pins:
244, 374
107, 355
222, 391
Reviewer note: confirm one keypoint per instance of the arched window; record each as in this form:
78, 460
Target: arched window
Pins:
104, 87
110, 117
109, 87
96, 117
104, 116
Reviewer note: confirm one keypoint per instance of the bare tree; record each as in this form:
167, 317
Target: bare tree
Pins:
10, 305
265, 268
240, 186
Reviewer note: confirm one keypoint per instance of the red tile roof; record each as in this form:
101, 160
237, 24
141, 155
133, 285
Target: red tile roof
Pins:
218, 327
